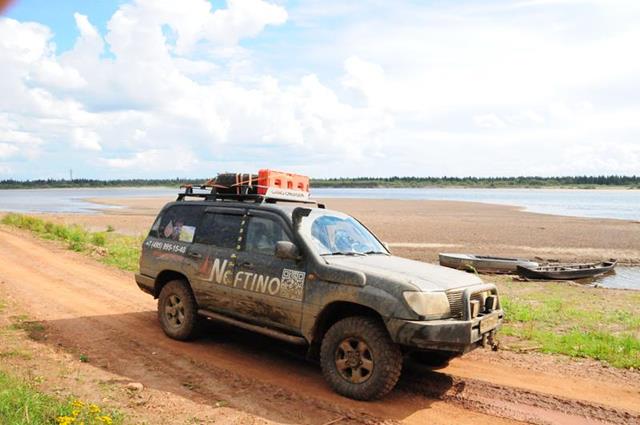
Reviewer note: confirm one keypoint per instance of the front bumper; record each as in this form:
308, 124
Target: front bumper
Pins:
449, 334
458, 335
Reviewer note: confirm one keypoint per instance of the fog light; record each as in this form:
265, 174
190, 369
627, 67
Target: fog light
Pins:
491, 303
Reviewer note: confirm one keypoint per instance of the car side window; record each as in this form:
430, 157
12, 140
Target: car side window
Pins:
220, 230
179, 223
262, 235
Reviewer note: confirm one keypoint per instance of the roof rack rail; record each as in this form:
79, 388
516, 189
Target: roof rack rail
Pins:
243, 195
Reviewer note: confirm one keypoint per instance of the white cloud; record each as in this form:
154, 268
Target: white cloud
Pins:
7, 150
368, 79
489, 121
163, 160
87, 31
379, 88
86, 139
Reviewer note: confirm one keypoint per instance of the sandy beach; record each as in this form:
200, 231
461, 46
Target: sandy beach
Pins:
422, 229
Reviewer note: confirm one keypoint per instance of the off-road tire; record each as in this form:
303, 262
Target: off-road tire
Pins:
186, 326
385, 355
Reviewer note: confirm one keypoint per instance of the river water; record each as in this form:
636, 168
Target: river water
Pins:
616, 204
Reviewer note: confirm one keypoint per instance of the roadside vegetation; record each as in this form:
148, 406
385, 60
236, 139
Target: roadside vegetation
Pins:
22, 403
22, 399
111, 248
555, 317
582, 182
550, 317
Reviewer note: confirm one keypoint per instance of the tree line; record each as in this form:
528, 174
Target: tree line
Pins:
357, 182
489, 182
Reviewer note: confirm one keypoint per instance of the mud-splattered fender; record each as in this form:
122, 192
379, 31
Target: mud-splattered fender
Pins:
323, 295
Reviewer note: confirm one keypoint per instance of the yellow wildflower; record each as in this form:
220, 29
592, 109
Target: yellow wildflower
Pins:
78, 404
106, 420
65, 420
94, 409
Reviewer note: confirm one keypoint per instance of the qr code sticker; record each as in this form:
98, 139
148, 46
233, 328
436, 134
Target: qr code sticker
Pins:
292, 284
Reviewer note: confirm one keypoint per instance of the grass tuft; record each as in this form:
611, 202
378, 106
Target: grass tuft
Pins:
574, 321
21, 403
99, 239
118, 250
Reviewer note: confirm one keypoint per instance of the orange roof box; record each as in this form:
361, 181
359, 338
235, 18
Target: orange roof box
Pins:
280, 184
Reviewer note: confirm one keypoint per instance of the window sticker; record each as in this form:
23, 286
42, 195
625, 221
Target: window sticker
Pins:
168, 229
187, 233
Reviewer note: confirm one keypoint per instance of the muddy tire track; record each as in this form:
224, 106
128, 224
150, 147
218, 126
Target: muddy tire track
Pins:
512, 402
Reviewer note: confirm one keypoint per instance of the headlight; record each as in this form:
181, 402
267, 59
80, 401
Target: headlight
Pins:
431, 305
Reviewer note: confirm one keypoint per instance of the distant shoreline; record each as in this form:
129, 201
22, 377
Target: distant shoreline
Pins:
568, 187
617, 188
576, 187
581, 183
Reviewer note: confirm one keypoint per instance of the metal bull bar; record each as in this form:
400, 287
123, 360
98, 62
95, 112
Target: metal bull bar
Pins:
466, 298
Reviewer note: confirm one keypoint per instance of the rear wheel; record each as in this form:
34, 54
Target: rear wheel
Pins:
177, 310
359, 360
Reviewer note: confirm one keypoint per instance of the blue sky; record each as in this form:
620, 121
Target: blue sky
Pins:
156, 88
59, 16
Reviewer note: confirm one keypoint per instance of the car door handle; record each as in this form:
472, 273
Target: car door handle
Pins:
195, 255
247, 265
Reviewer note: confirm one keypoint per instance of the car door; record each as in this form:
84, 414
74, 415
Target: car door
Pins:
210, 261
268, 290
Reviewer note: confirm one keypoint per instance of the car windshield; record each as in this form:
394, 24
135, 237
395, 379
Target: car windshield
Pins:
339, 234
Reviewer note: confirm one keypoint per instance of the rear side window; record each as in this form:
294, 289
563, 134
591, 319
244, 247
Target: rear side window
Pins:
179, 223
263, 234
220, 230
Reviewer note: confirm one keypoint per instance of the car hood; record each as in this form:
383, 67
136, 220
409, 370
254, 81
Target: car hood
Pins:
424, 276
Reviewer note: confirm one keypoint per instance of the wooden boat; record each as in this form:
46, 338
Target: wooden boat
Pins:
566, 271
484, 263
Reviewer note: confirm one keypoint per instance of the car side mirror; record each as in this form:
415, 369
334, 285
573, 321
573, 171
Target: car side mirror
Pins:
287, 250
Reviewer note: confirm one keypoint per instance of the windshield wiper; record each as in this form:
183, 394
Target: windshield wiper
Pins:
375, 252
352, 253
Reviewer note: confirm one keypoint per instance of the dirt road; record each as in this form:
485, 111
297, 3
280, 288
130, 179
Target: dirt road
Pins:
89, 308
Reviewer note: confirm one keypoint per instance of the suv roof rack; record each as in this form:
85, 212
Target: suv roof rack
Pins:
243, 194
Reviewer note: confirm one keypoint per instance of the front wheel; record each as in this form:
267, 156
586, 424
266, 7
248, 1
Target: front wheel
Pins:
359, 359
177, 310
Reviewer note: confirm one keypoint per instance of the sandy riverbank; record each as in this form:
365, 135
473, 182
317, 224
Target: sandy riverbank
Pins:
421, 229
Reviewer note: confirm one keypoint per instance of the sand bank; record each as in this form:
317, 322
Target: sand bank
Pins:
421, 229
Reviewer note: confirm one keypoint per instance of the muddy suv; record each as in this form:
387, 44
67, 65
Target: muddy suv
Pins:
315, 277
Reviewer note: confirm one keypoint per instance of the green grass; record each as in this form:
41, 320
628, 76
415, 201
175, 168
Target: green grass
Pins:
123, 251
578, 322
22, 403
117, 250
